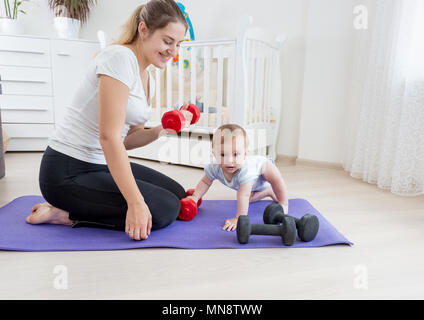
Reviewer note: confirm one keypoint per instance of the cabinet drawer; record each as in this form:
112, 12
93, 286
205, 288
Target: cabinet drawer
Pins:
22, 51
26, 109
28, 137
25, 81
69, 48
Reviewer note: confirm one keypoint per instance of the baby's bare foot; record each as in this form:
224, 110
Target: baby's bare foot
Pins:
46, 213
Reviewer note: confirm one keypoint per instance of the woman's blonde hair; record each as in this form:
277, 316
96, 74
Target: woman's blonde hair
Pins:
156, 14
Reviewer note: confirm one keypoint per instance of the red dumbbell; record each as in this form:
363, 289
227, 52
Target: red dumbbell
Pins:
188, 207
174, 120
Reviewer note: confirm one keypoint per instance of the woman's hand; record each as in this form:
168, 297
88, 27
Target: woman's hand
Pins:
188, 117
139, 221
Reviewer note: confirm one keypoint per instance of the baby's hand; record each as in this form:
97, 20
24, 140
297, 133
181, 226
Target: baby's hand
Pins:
193, 198
230, 224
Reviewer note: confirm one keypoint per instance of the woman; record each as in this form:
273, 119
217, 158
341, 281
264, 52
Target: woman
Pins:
85, 175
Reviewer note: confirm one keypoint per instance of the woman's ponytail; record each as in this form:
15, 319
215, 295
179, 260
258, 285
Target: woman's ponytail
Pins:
130, 28
156, 14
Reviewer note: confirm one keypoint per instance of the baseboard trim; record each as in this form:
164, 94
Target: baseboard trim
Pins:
295, 161
284, 160
319, 164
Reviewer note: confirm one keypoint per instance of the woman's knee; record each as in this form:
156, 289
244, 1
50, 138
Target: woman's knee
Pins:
166, 211
158, 179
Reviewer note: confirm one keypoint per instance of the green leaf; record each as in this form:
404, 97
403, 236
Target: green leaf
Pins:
77, 9
7, 6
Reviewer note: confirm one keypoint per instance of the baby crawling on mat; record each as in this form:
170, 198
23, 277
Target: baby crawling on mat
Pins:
253, 177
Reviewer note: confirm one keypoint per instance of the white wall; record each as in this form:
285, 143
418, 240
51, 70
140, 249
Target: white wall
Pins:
38, 20
213, 19
218, 19
329, 37
314, 84
283, 16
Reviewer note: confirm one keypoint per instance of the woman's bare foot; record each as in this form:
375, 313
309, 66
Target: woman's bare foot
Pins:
34, 208
46, 213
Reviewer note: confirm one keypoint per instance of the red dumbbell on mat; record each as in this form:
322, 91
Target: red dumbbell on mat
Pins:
188, 207
175, 120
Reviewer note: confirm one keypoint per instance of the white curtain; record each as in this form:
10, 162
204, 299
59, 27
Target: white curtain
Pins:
385, 135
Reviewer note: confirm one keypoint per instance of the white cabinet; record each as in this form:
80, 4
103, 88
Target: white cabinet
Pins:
70, 60
24, 51
38, 77
26, 81
26, 109
28, 137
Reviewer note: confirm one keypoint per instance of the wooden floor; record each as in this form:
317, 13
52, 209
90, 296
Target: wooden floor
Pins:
386, 262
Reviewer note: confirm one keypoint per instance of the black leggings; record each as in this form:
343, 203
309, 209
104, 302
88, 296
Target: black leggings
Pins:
89, 193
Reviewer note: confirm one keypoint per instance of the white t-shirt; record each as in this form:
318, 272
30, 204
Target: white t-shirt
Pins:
77, 135
250, 170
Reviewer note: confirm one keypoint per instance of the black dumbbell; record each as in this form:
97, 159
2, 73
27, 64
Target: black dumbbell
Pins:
286, 230
307, 226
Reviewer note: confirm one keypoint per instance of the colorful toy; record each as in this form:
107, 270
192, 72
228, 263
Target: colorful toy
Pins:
190, 26
191, 31
186, 62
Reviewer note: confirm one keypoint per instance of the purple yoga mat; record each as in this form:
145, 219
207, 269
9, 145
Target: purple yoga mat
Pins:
203, 232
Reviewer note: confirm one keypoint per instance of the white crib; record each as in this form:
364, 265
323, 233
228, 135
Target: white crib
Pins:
231, 81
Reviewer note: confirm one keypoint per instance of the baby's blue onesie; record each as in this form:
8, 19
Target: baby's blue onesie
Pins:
250, 170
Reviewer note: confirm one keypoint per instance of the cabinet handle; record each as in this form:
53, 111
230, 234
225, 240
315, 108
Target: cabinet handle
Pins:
24, 109
29, 137
63, 54
22, 51
18, 80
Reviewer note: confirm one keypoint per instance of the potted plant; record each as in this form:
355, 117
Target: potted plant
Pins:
70, 15
10, 24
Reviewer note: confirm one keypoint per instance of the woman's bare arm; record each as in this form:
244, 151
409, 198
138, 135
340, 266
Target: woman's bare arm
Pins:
113, 97
139, 136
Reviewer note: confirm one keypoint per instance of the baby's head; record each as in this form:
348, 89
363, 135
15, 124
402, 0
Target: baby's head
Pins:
229, 147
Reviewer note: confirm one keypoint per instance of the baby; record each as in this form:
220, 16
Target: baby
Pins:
253, 177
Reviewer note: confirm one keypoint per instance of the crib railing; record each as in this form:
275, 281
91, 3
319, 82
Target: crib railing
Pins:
231, 81
261, 68
207, 74
203, 75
